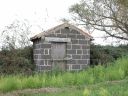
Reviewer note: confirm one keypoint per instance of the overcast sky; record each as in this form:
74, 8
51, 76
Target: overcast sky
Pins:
41, 14
37, 12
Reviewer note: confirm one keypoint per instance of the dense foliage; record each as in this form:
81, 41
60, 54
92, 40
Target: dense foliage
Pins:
16, 61
104, 54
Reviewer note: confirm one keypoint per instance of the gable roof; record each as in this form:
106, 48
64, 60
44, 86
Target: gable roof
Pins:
43, 34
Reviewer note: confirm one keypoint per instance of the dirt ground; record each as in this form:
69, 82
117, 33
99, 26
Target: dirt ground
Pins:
31, 91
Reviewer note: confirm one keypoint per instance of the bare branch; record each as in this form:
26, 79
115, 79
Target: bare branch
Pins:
104, 15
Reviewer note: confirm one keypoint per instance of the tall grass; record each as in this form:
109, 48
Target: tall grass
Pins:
107, 89
114, 71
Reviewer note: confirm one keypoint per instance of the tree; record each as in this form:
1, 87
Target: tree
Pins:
16, 51
123, 2
110, 16
16, 35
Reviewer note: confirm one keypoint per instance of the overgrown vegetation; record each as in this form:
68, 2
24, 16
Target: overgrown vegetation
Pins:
114, 71
105, 54
20, 60
114, 88
16, 61
19, 64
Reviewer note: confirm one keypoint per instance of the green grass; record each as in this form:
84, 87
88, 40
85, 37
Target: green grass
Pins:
66, 92
114, 88
117, 70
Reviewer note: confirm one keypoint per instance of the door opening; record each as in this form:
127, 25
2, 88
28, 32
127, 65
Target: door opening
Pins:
58, 53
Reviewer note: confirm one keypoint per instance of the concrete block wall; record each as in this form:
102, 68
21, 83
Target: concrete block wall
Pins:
78, 50
42, 55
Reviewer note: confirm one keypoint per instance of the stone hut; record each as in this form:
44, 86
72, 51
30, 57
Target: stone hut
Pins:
64, 47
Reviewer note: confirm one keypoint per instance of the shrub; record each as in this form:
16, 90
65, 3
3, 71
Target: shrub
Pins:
105, 54
16, 61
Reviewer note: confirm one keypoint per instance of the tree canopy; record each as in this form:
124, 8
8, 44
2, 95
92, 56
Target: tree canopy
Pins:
16, 35
110, 16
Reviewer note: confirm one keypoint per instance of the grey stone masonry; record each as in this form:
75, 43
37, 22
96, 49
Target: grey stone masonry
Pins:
77, 51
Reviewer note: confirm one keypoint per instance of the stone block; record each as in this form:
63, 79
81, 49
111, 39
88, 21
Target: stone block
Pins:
82, 42
82, 61
35, 56
79, 51
58, 32
41, 62
76, 56
61, 35
76, 46
71, 62
88, 51
88, 56
65, 31
79, 36
45, 45
35, 51
45, 57
43, 68
42, 51
71, 36
84, 57
71, 51
74, 41
85, 47
85, 51
36, 46
69, 46
37, 62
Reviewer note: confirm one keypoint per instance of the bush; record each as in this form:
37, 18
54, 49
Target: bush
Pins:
16, 61
105, 54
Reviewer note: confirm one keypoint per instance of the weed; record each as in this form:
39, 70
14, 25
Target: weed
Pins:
114, 71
